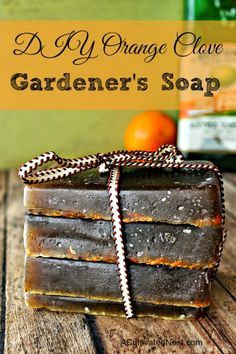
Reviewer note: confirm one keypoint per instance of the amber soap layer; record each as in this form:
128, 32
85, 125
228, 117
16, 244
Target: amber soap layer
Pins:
110, 308
99, 281
146, 195
148, 243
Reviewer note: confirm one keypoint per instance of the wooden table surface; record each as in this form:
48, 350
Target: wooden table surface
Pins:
27, 331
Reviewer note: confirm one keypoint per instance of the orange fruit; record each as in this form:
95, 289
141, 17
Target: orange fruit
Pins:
149, 130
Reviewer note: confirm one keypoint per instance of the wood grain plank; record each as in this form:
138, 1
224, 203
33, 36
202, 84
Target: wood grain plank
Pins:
220, 319
29, 331
153, 336
230, 196
227, 270
2, 257
230, 177
215, 332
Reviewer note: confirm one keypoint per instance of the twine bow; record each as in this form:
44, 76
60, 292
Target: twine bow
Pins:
167, 156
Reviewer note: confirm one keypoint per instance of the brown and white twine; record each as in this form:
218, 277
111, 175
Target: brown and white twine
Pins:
167, 156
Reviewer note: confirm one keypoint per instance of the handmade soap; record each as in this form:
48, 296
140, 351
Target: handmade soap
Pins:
99, 281
149, 243
146, 195
172, 231
110, 308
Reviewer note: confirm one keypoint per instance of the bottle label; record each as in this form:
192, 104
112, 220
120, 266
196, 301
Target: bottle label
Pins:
204, 125
207, 134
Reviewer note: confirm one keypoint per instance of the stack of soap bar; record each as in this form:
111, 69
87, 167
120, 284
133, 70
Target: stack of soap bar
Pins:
172, 230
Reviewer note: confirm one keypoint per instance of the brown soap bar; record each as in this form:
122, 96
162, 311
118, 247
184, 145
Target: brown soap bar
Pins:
110, 308
152, 284
153, 195
149, 243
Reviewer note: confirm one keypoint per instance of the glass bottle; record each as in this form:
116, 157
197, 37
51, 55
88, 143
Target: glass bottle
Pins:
211, 134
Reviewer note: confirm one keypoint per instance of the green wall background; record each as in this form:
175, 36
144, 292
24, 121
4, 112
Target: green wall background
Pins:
24, 134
